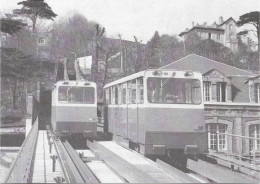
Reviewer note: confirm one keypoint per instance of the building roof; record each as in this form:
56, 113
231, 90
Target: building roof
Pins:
202, 28
201, 64
230, 18
240, 89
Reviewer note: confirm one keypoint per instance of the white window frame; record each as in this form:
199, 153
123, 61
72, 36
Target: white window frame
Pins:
255, 134
217, 136
219, 90
257, 92
205, 92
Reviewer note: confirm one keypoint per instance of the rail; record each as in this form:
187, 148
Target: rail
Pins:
20, 169
75, 170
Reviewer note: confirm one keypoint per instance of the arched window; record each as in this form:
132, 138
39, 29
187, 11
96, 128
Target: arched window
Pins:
254, 131
217, 140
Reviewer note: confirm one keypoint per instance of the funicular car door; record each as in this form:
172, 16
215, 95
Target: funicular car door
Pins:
134, 98
116, 109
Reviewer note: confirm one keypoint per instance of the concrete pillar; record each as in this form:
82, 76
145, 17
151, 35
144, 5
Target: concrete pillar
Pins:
238, 131
213, 91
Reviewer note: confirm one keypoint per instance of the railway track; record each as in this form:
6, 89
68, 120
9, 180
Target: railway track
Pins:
75, 170
115, 163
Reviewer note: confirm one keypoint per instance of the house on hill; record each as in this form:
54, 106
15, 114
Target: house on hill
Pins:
223, 32
232, 104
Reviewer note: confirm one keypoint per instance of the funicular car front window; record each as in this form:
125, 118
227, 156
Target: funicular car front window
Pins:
173, 91
76, 95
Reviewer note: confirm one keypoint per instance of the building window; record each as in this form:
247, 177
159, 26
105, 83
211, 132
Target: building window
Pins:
206, 91
254, 132
41, 40
257, 93
218, 36
221, 91
217, 138
209, 36
230, 27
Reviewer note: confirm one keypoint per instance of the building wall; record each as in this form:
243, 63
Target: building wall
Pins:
237, 118
230, 37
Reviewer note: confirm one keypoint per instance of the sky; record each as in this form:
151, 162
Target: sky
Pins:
141, 18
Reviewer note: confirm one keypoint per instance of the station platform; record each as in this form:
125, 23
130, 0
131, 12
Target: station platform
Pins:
133, 167
42, 167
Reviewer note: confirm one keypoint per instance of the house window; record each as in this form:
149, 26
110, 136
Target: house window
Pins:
257, 93
218, 36
254, 132
217, 138
221, 92
41, 40
206, 91
209, 35
230, 27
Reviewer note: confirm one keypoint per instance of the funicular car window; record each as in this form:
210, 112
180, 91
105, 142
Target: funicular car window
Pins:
173, 91
76, 95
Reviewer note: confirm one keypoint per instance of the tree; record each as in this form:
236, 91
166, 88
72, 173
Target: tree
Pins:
18, 67
34, 9
253, 19
11, 26
94, 68
72, 34
154, 51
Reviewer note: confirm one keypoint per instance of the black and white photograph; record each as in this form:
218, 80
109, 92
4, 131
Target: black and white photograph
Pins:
130, 91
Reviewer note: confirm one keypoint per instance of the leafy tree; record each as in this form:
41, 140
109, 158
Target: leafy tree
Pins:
72, 34
253, 19
11, 26
18, 67
34, 9
154, 51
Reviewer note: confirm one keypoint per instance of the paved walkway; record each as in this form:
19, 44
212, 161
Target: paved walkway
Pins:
42, 171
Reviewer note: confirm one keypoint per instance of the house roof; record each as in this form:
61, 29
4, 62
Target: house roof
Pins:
201, 64
252, 78
204, 65
205, 28
230, 18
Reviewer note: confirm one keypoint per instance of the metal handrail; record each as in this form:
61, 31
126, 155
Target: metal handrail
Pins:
234, 135
20, 168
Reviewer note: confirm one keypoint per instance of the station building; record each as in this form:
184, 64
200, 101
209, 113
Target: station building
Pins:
232, 105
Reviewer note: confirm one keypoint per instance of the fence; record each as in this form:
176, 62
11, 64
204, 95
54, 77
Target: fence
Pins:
20, 169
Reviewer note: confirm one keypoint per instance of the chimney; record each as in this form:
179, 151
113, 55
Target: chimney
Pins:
192, 24
220, 20
205, 24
